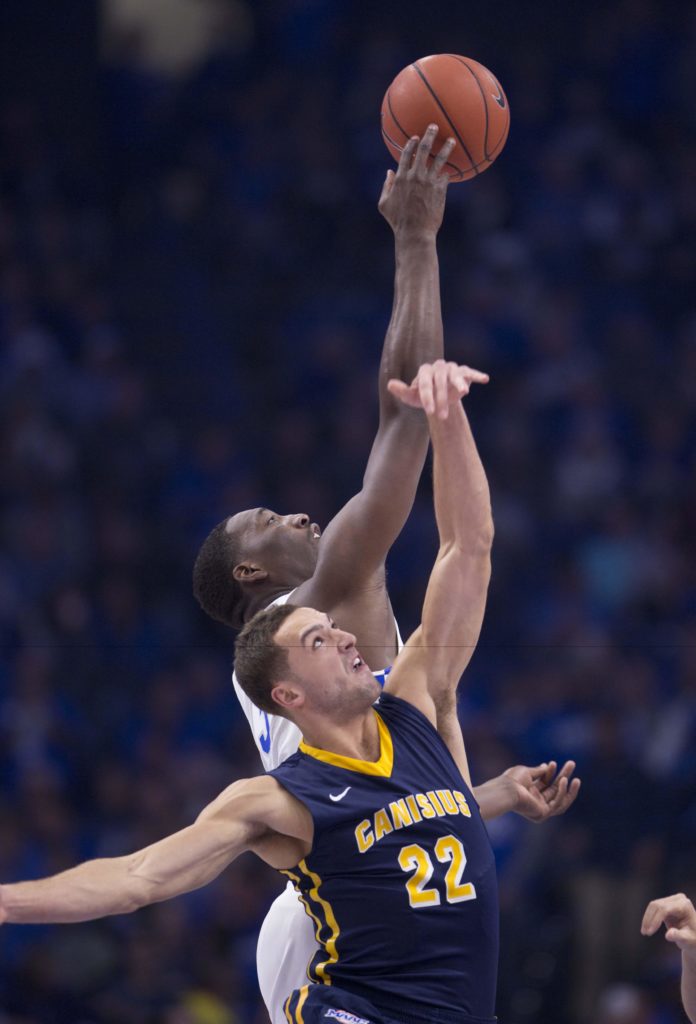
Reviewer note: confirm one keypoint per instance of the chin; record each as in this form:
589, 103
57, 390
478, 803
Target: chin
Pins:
371, 689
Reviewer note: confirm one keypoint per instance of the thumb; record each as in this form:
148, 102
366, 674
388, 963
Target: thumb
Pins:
678, 935
398, 388
387, 186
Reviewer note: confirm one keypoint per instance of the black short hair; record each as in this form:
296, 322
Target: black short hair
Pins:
259, 661
214, 587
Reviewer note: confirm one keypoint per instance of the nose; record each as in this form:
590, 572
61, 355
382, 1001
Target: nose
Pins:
300, 521
345, 640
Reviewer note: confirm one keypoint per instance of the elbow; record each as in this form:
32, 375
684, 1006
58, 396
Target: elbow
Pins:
473, 542
477, 538
484, 536
485, 531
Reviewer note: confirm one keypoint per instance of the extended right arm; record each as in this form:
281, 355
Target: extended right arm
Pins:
241, 817
356, 542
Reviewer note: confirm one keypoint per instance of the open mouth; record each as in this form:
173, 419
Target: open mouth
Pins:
357, 663
315, 531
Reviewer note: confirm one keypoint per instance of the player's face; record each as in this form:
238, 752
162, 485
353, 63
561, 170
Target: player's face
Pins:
287, 547
328, 665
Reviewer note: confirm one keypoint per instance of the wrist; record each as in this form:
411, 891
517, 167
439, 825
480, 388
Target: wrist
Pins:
414, 238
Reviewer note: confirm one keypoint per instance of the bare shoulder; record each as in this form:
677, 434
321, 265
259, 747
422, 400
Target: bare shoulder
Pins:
263, 803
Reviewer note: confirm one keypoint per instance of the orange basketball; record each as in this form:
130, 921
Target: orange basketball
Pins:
462, 97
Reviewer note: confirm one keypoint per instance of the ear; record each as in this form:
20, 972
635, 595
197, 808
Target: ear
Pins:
288, 696
247, 572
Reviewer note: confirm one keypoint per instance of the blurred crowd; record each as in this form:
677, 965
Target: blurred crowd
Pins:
195, 284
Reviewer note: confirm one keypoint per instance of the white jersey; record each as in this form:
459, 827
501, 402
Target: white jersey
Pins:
287, 942
277, 738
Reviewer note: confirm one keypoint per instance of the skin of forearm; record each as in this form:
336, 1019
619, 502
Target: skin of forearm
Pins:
415, 333
462, 496
97, 888
495, 797
688, 983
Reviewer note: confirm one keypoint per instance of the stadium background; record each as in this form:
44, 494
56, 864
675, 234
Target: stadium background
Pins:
195, 285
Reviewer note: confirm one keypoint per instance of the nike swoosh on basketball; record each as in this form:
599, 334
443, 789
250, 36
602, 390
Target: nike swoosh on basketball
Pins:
339, 796
500, 99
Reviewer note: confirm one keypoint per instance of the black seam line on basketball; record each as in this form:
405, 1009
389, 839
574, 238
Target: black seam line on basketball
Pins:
501, 142
489, 160
427, 85
496, 149
483, 97
394, 119
460, 172
448, 163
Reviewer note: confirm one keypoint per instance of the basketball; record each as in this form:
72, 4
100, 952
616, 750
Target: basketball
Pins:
463, 98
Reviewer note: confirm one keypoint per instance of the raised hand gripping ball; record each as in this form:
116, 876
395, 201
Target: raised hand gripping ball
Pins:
463, 98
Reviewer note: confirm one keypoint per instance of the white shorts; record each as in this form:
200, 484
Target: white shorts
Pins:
286, 945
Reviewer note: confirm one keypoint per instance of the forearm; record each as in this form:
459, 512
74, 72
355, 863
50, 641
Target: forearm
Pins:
177, 864
462, 496
415, 334
455, 600
688, 983
94, 889
496, 797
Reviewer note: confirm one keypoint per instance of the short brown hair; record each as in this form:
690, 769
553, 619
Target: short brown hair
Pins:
259, 662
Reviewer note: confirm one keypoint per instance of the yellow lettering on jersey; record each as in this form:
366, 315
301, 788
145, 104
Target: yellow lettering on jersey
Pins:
364, 836
449, 848
425, 805
414, 858
462, 802
409, 810
383, 826
399, 814
413, 808
436, 803
447, 801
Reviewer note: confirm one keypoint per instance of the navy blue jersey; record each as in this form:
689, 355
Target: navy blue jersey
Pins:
400, 881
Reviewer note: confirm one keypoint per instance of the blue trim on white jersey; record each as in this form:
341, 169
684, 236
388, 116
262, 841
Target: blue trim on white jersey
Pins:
265, 738
381, 676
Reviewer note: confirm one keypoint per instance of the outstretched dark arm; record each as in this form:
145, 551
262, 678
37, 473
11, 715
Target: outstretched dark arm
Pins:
356, 542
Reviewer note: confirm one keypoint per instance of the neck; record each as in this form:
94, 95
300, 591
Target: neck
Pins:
356, 737
257, 601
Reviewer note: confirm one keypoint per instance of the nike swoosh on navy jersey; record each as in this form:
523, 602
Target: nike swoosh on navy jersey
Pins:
339, 796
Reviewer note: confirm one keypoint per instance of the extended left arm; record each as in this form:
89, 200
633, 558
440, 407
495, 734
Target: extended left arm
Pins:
428, 670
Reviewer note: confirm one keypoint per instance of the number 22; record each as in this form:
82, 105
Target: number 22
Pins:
414, 858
